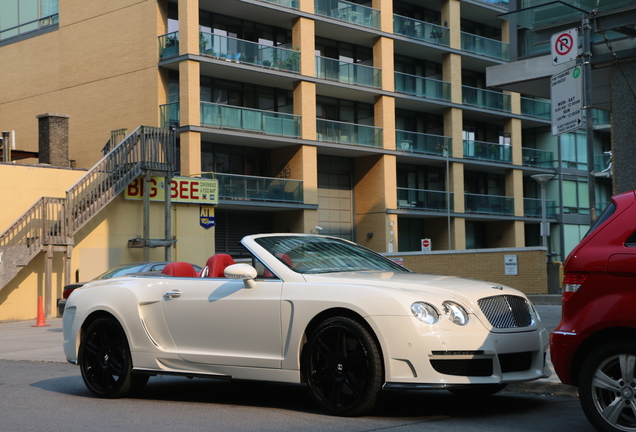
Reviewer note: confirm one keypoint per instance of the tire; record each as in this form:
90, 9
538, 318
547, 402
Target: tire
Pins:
105, 361
607, 387
478, 390
343, 368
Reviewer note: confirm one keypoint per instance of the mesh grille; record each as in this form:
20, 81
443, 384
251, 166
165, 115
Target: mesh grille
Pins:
466, 367
506, 311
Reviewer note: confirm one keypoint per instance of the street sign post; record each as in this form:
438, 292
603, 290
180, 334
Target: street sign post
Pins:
564, 46
566, 92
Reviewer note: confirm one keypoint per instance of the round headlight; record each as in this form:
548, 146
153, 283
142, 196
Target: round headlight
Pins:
455, 313
425, 312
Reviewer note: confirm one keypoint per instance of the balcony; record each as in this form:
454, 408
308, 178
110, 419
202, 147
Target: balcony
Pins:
486, 151
253, 188
168, 45
485, 46
420, 30
242, 51
421, 199
248, 119
294, 4
350, 73
349, 12
348, 133
489, 204
536, 108
423, 143
487, 99
537, 158
603, 165
502, 3
532, 208
422, 86
169, 114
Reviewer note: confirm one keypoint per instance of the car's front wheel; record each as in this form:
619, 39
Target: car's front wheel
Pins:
105, 360
343, 367
607, 387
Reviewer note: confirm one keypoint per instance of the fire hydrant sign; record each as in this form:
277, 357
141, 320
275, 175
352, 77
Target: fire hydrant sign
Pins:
566, 91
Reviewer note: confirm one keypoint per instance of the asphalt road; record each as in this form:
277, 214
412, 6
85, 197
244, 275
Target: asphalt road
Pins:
43, 397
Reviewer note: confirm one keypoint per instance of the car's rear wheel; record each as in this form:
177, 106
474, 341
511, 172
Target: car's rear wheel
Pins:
607, 387
343, 367
105, 360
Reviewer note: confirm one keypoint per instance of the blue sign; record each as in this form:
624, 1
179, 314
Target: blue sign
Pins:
206, 217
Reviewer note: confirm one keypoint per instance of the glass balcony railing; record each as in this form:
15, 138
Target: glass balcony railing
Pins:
532, 208
487, 151
168, 45
601, 117
421, 30
537, 158
169, 114
294, 4
348, 133
422, 86
242, 187
423, 143
489, 204
242, 51
349, 12
350, 73
29, 26
603, 163
485, 46
248, 119
486, 98
420, 199
502, 3
536, 108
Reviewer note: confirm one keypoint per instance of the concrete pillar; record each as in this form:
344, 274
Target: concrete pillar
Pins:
303, 37
383, 58
53, 139
386, 14
623, 126
305, 106
451, 18
384, 111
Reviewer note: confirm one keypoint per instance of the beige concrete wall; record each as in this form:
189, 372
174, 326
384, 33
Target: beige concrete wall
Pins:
89, 65
487, 265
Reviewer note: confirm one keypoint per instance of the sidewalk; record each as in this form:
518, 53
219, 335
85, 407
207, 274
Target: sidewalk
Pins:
24, 342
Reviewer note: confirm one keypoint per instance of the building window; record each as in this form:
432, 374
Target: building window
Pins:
19, 17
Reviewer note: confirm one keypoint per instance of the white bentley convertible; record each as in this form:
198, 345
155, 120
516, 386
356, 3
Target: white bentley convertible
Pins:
307, 309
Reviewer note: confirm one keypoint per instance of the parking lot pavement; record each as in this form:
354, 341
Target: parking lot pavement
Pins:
23, 341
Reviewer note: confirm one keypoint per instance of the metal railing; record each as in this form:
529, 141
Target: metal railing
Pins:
248, 119
489, 204
350, 73
422, 199
421, 30
487, 151
348, 133
422, 86
423, 143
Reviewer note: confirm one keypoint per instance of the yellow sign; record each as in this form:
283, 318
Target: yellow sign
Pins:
182, 190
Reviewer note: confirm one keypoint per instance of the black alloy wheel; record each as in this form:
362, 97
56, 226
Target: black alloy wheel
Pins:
105, 360
343, 368
607, 387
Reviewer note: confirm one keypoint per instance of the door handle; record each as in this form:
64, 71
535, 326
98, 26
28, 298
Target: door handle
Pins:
172, 294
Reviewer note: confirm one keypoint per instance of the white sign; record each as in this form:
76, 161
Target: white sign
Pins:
426, 245
564, 46
510, 265
566, 91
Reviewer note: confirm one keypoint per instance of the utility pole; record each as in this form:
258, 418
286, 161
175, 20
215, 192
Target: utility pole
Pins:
589, 121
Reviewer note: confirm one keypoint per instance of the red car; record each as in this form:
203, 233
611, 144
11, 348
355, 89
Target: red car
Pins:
594, 345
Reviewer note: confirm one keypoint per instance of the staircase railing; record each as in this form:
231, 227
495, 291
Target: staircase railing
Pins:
54, 221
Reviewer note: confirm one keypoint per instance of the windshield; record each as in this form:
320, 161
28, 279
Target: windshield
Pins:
313, 254
122, 271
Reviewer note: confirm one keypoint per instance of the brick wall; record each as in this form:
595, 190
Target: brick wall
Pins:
486, 264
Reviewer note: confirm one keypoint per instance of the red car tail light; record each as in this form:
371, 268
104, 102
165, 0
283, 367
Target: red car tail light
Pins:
571, 284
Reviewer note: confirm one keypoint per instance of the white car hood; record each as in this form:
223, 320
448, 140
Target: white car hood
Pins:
468, 291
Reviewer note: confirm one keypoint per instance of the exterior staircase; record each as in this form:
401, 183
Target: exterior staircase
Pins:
51, 223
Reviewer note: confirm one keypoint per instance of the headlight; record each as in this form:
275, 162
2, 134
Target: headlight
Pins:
425, 312
455, 313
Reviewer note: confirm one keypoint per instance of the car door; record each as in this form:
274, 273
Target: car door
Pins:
220, 321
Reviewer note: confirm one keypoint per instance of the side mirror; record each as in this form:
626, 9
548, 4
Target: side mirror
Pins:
242, 271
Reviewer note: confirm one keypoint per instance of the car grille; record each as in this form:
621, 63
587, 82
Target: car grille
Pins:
506, 311
464, 367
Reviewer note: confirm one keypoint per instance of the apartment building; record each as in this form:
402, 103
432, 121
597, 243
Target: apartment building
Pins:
369, 120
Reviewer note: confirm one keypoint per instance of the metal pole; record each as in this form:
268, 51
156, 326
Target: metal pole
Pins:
544, 219
589, 123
